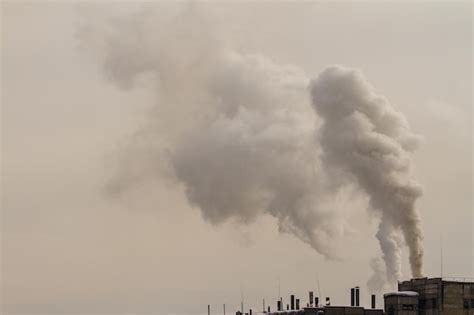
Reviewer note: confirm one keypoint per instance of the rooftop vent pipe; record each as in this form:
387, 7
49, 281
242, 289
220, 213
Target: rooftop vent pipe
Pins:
357, 296
352, 297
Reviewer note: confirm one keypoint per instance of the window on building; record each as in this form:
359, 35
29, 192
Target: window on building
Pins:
408, 307
422, 304
466, 304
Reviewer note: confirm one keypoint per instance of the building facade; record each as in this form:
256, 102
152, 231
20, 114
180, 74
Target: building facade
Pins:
401, 303
439, 296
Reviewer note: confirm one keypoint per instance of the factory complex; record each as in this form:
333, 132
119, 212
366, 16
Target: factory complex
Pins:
422, 296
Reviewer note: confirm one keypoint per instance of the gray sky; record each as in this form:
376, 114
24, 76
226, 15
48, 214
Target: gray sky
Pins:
67, 247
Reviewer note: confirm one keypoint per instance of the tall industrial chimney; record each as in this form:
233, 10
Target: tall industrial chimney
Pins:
357, 296
352, 297
310, 298
373, 300
279, 306
297, 304
316, 301
292, 302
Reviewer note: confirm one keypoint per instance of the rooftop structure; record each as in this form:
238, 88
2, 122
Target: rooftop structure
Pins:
438, 296
314, 307
422, 296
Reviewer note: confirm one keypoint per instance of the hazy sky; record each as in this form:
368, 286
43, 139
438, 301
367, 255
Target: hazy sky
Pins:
70, 247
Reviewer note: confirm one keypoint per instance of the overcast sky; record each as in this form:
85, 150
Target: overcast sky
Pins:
69, 246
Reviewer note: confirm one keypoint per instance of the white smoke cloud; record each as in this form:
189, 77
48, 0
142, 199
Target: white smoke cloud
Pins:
238, 132
366, 141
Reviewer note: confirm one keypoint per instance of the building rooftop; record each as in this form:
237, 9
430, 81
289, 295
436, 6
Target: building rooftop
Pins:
401, 293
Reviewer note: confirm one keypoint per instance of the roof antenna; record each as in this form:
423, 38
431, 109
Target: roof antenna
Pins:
319, 288
441, 253
241, 299
279, 287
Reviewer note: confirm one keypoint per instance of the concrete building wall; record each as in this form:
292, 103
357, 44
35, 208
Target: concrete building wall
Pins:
458, 298
401, 305
430, 294
439, 297
343, 310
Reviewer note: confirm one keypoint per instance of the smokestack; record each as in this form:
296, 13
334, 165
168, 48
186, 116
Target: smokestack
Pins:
310, 298
263, 309
268, 309
287, 307
279, 306
250, 312
357, 296
292, 302
352, 297
316, 301
208, 309
328, 301
373, 300
297, 304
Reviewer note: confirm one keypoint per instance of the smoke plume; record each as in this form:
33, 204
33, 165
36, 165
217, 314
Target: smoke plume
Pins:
237, 131
364, 140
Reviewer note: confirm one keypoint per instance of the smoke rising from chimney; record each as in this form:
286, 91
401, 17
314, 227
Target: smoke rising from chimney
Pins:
238, 132
364, 140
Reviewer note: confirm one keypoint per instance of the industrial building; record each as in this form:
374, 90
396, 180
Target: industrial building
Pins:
438, 296
422, 296
314, 307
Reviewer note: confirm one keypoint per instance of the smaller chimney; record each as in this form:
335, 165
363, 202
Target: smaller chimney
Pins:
352, 297
250, 312
208, 309
287, 307
373, 300
297, 304
268, 309
357, 296
279, 306
316, 301
310, 298
328, 301
292, 302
